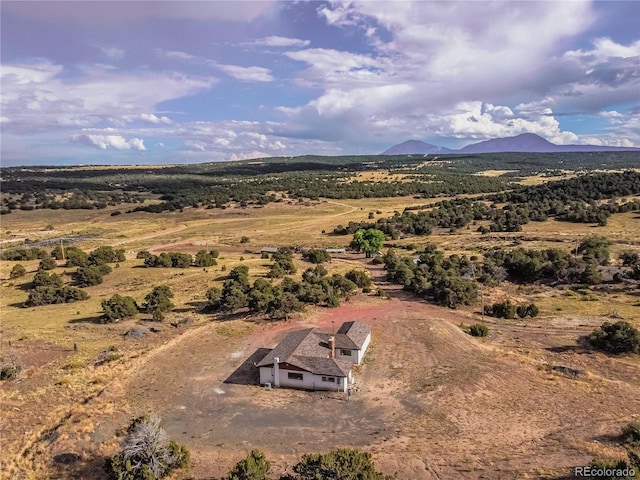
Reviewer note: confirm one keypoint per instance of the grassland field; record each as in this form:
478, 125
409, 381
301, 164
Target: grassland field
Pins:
443, 404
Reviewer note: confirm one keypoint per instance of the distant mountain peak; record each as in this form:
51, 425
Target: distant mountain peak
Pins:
523, 143
415, 147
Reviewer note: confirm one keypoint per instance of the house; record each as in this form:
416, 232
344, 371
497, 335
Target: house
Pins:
314, 360
335, 250
269, 250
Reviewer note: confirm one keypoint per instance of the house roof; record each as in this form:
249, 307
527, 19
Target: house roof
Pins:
308, 350
355, 331
269, 249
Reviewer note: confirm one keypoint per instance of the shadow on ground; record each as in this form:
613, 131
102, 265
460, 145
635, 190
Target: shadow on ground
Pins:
247, 373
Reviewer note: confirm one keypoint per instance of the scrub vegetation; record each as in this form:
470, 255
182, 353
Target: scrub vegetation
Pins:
135, 291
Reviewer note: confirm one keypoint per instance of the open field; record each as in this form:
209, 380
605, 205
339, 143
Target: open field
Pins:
431, 402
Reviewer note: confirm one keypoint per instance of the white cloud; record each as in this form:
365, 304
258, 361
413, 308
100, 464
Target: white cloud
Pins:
276, 41
104, 142
36, 98
247, 74
113, 53
151, 118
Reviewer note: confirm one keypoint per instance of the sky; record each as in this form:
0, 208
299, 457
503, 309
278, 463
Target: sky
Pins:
148, 82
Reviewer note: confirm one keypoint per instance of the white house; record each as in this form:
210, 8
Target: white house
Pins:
313, 360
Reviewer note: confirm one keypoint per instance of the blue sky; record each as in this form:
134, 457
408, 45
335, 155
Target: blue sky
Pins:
173, 82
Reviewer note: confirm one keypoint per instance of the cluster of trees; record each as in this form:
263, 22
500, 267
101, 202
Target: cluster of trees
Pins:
506, 309
445, 281
279, 301
179, 260
48, 289
23, 254
574, 200
452, 281
338, 464
49, 197
316, 255
157, 303
553, 264
282, 263
215, 185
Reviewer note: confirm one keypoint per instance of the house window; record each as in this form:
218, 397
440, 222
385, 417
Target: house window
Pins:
294, 376
346, 353
329, 379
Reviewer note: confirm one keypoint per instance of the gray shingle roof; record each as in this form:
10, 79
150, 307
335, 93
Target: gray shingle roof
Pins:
309, 350
356, 331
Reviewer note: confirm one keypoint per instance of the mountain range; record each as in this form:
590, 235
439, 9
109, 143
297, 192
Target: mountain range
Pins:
526, 142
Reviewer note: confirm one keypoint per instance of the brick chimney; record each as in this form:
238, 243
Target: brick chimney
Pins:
332, 347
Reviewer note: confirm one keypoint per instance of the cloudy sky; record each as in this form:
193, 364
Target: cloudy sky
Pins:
173, 82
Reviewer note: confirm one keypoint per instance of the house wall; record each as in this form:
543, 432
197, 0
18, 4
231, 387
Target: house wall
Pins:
309, 380
360, 353
266, 375
353, 355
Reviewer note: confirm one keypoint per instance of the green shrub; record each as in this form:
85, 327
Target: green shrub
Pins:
619, 465
616, 338
359, 277
631, 433
17, 271
118, 307
47, 263
504, 309
316, 256
339, 464
478, 330
254, 467
88, 276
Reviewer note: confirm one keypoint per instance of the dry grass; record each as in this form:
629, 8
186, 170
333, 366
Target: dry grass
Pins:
57, 379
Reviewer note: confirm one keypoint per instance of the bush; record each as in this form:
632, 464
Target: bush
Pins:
339, 464
254, 467
359, 277
504, 309
47, 263
244, 240
478, 330
616, 338
604, 465
88, 276
145, 453
316, 256
17, 271
48, 295
158, 301
43, 279
591, 275
143, 255
530, 310
106, 254
204, 259
631, 433
117, 307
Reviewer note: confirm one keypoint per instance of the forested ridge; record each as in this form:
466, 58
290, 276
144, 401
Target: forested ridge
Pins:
255, 181
578, 199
